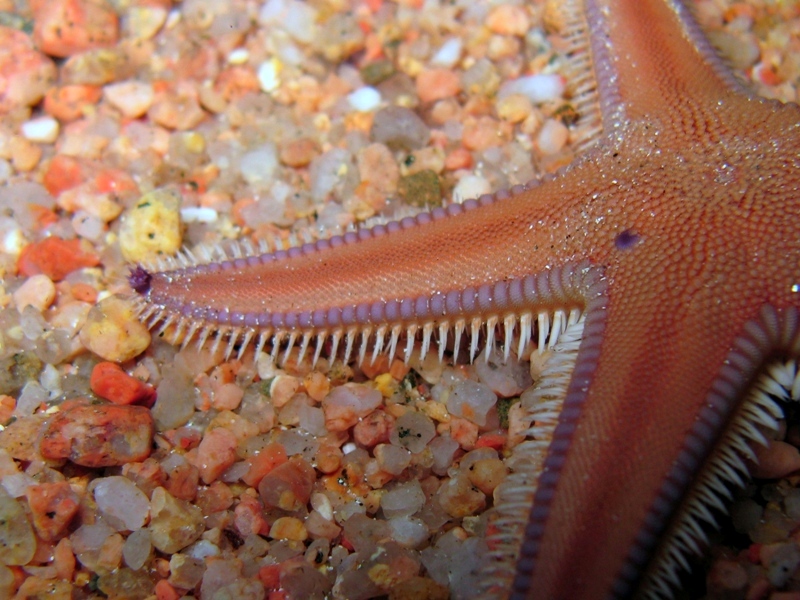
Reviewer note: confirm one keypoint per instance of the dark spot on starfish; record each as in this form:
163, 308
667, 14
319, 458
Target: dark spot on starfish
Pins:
139, 279
626, 240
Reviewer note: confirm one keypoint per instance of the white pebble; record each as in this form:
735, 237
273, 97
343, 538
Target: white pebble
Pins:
408, 531
552, 137
199, 214
17, 484
235, 472
258, 165
365, 99
32, 323
131, 98
300, 20
323, 505
505, 378
392, 459
201, 549
89, 538
137, 549
403, 500
173, 18
470, 186
472, 401
296, 18
43, 130
537, 88
38, 291
5, 170
267, 369
87, 226
50, 379
312, 419
13, 240
144, 21
413, 431
269, 75
31, 396
783, 563
238, 56
444, 449
118, 497
448, 55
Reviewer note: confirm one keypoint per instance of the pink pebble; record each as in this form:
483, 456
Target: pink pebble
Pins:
216, 452
436, 84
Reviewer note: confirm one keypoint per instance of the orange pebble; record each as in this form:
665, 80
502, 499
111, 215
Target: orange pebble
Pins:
55, 257
776, 460
64, 559
109, 381
165, 591
84, 292
63, 173
491, 440
235, 82
7, 406
263, 462
270, 576
373, 369
767, 75
70, 102
44, 216
373, 47
66, 27
52, 505
460, 158
115, 181
754, 553
25, 73
161, 567
492, 536
19, 576
238, 207
98, 435
436, 84
740, 9
398, 369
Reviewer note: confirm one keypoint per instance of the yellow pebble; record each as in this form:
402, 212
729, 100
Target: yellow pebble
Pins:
25, 154
514, 108
381, 575
113, 332
435, 410
486, 474
317, 385
152, 227
288, 528
386, 385
194, 142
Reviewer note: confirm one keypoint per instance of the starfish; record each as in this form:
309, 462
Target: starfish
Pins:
664, 263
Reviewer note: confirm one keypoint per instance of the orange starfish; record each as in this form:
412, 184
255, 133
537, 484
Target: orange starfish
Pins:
670, 251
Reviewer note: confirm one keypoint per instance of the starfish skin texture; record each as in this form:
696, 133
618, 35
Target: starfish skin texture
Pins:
677, 234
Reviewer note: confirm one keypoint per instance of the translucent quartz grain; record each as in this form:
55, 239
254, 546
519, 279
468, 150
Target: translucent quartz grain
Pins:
137, 549
412, 431
119, 498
